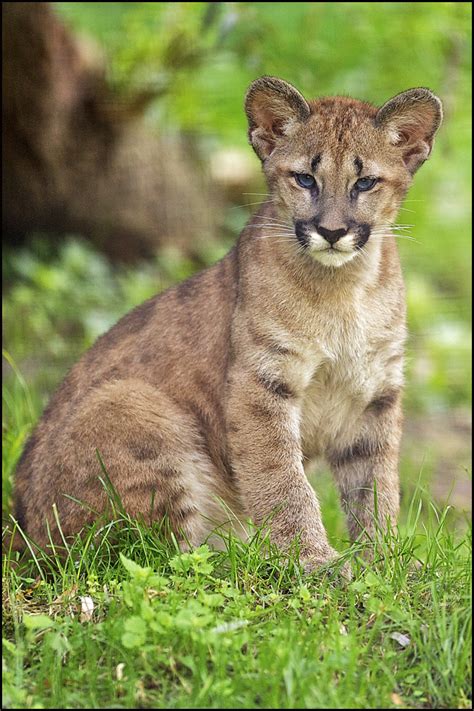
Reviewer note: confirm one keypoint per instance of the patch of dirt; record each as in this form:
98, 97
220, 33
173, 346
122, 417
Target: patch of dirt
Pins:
443, 442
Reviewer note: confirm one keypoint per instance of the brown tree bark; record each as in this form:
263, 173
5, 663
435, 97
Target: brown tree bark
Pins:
78, 159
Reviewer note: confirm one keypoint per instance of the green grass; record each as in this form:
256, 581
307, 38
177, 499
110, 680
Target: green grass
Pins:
240, 628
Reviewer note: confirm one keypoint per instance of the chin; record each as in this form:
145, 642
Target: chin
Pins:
333, 258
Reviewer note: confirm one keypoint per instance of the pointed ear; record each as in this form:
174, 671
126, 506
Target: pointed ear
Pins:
272, 106
411, 120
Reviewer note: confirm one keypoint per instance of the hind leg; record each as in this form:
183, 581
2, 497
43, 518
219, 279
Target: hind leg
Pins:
366, 472
154, 456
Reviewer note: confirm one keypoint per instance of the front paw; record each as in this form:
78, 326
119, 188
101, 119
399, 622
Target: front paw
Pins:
329, 560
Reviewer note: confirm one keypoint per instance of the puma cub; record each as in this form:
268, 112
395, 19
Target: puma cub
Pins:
214, 395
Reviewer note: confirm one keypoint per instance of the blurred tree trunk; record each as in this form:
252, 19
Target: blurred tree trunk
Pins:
77, 158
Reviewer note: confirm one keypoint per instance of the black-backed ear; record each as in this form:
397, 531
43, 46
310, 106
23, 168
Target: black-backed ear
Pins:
411, 120
272, 107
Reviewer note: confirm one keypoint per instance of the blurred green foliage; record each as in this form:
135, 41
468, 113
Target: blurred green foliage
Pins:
369, 50
198, 58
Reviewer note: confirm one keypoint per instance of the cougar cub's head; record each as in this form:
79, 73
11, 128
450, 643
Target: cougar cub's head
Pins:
338, 168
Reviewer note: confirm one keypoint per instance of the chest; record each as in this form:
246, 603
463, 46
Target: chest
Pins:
352, 363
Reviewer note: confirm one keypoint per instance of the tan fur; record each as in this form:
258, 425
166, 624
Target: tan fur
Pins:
214, 395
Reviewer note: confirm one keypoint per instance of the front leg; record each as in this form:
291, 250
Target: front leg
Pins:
264, 441
366, 471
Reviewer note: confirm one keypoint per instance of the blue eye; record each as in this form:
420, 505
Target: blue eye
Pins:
305, 180
364, 184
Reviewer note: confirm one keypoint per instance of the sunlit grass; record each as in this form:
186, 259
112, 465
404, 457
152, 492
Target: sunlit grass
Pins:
127, 620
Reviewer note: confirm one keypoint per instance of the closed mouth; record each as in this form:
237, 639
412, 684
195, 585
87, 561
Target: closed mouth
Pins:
359, 234
329, 250
334, 248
